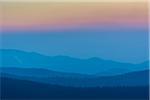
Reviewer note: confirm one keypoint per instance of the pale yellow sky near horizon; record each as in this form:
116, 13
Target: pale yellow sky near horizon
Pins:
63, 15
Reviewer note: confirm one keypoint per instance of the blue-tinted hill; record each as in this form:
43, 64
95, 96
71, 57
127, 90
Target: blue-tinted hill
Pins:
40, 72
17, 89
138, 78
21, 59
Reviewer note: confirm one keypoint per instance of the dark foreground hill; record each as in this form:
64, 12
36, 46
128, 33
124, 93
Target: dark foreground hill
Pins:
23, 89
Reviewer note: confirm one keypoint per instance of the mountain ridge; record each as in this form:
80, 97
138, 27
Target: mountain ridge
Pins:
138, 78
17, 58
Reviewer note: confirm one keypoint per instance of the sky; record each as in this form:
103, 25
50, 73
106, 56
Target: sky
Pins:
114, 31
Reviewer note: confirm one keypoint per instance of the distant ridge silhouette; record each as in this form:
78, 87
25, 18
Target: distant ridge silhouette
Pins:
100, 67
29, 75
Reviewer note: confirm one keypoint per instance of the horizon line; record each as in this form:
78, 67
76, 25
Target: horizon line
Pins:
82, 58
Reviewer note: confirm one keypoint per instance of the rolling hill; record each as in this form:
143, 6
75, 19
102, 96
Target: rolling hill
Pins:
137, 78
100, 67
18, 89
